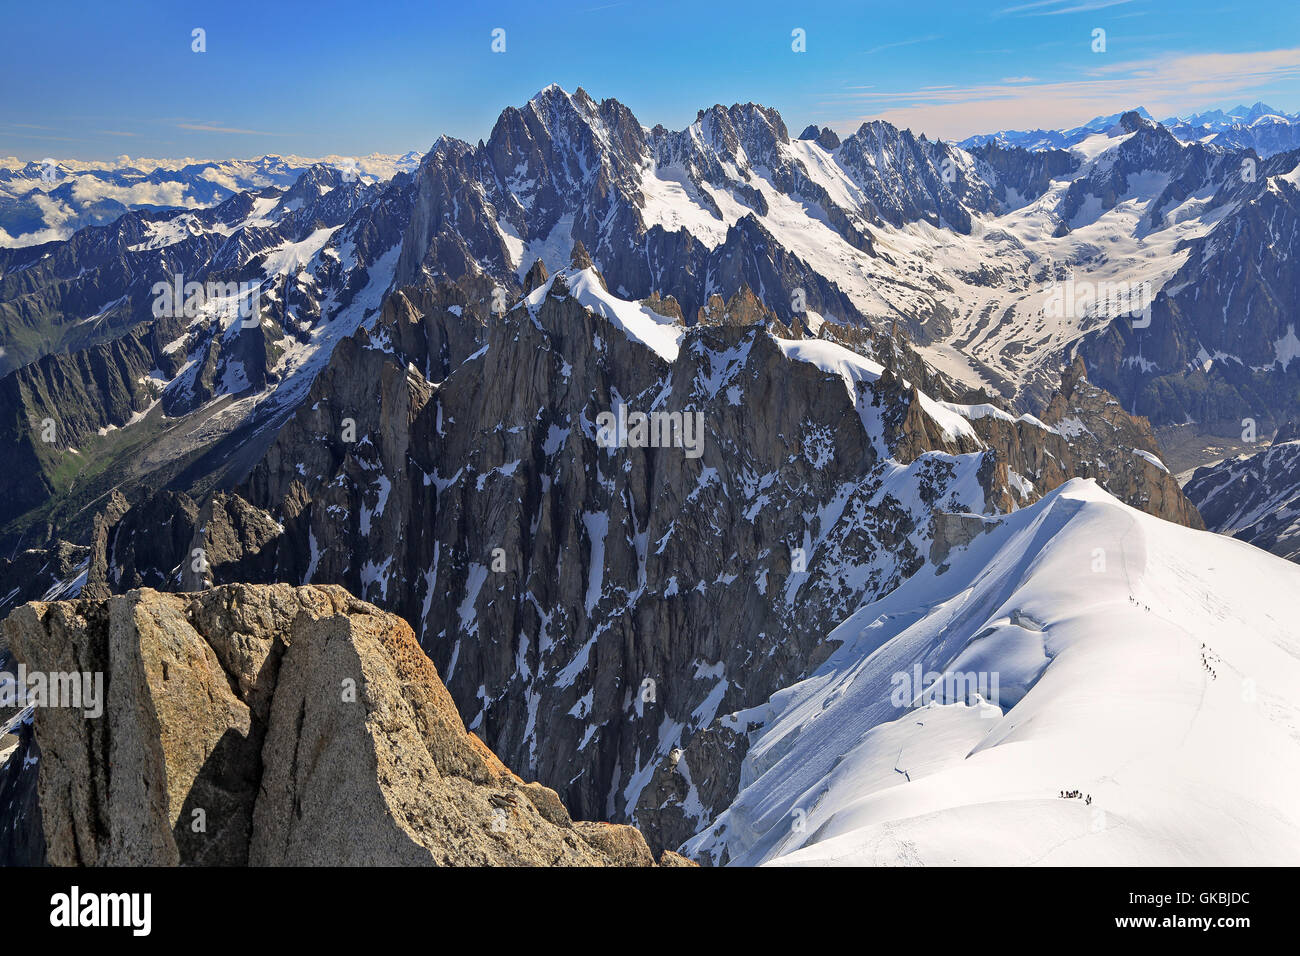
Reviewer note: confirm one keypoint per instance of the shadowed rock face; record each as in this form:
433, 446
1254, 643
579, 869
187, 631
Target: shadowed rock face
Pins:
273, 725
1255, 498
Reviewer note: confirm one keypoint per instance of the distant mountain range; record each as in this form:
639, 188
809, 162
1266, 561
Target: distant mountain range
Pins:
1259, 127
43, 201
959, 247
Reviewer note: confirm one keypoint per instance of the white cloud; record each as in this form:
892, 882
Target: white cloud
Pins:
89, 189
1168, 85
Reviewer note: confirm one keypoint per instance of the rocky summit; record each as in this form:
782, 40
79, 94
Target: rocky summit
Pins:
270, 726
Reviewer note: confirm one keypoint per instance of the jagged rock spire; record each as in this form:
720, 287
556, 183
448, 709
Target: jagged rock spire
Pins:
743, 308
1072, 376
664, 305
579, 258
536, 277
825, 138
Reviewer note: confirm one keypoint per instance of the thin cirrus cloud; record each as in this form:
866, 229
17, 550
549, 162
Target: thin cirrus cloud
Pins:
1052, 8
216, 128
912, 42
1167, 85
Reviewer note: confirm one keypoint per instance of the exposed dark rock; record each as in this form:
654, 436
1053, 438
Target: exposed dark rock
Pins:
951, 531
271, 726
1121, 449
536, 277
1255, 498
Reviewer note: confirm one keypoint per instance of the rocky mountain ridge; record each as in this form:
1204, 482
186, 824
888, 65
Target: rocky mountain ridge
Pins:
882, 228
1220, 340
179, 387
268, 726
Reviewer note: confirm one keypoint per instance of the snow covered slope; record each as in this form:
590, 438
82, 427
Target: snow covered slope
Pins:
1151, 669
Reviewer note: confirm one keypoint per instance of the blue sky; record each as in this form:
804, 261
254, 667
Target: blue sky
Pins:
97, 80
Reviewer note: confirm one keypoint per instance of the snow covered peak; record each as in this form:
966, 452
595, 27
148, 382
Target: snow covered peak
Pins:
658, 332
549, 91
756, 130
1105, 122
34, 210
554, 102
558, 110
1260, 109
1057, 696
1040, 139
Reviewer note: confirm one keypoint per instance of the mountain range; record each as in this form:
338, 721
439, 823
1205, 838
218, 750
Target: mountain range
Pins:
929, 381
